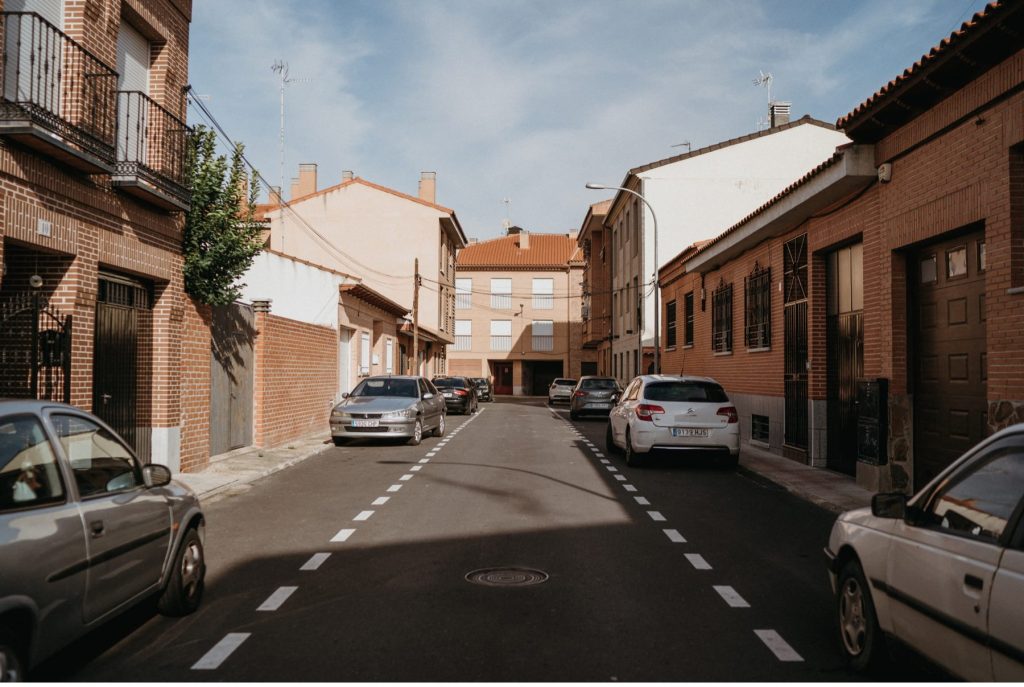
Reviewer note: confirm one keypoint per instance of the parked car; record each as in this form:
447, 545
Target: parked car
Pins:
561, 390
684, 414
389, 407
593, 395
942, 572
484, 390
86, 532
459, 394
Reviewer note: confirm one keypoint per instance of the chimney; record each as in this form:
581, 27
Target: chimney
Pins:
347, 175
428, 186
523, 240
307, 180
778, 113
295, 189
274, 195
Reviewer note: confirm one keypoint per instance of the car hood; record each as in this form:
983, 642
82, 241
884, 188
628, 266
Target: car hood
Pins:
375, 404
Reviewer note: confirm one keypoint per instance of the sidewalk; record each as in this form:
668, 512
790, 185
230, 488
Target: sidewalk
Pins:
231, 472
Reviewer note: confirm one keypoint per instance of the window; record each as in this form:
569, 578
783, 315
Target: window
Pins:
501, 294
364, 353
670, 324
543, 335
795, 269
389, 352
635, 228
956, 262
501, 335
688, 319
845, 280
929, 272
685, 392
981, 256
543, 294
463, 335
759, 428
758, 308
639, 305
101, 463
721, 319
29, 475
463, 293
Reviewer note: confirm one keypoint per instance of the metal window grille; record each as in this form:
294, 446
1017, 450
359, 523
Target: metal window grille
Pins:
795, 269
463, 294
758, 308
721, 319
501, 343
670, 324
760, 428
688, 319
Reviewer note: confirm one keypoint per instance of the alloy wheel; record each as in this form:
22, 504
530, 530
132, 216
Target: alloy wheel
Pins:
192, 569
852, 621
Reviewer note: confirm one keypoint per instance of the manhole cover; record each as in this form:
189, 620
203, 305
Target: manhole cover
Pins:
507, 577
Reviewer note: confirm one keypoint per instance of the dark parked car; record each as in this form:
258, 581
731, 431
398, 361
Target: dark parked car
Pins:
86, 532
484, 390
593, 396
459, 394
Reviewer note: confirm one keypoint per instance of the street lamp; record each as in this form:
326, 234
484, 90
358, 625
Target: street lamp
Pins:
657, 289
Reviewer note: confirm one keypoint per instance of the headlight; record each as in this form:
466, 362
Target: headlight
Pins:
396, 414
339, 414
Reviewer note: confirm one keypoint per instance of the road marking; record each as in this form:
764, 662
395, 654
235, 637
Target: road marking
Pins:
629, 487
415, 468
364, 515
697, 561
315, 561
612, 468
394, 487
674, 536
598, 453
275, 600
778, 645
342, 535
622, 478
642, 501
731, 597
380, 500
432, 454
424, 460
219, 653
606, 461
405, 478
656, 516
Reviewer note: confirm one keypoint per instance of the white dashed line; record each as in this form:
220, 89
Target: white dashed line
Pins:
364, 515
394, 487
697, 561
315, 561
731, 597
275, 600
642, 500
415, 468
219, 653
611, 468
424, 460
405, 478
778, 645
656, 516
622, 478
674, 536
380, 500
598, 453
606, 461
432, 454
629, 487
342, 535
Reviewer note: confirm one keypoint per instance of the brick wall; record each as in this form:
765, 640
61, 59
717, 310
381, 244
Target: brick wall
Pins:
194, 381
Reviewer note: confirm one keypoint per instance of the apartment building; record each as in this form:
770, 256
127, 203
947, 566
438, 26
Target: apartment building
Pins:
594, 241
868, 319
92, 152
518, 312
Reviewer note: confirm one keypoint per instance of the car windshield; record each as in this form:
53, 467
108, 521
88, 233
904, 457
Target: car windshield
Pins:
564, 382
404, 388
450, 383
480, 382
598, 384
685, 392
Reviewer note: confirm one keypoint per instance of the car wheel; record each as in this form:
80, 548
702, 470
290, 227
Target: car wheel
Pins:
632, 459
184, 590
860, 638
339, 441
12, 668
729, 462
609, 442
439, 430
417, 433
573, 414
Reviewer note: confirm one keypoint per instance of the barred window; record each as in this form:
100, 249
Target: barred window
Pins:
543, 335
463, 335
670, 324
757, 312
721, 319
543, 293
688, 319
501, 294
463, 293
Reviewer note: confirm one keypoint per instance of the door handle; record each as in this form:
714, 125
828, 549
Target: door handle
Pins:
973, 581
97, 528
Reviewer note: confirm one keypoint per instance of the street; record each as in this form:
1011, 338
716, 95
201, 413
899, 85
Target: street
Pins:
352, 566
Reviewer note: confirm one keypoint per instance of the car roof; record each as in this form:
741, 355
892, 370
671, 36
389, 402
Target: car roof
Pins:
393, 377
596, 377
677, 378
30, 405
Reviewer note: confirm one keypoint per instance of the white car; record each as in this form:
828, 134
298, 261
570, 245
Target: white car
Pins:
561, 390
942, 572
674, 413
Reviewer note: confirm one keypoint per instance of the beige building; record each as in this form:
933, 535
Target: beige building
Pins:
518, 312
358, 227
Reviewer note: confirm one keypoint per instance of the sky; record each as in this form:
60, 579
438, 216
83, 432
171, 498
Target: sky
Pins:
529, 100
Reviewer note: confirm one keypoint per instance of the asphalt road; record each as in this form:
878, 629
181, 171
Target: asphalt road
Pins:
352, 566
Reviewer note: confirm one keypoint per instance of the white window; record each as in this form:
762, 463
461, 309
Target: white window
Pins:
364, 353
133, 64
389, 356
543, 293
543, 335
463, 335
463, 293
501, 335
501, 294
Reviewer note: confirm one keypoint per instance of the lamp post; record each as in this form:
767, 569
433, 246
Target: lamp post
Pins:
657, 289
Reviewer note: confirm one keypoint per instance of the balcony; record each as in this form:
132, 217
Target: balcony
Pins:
150, 152
58, 98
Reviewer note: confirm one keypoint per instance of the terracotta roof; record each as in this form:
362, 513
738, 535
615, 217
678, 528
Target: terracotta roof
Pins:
368, 295
551, 251
936, 75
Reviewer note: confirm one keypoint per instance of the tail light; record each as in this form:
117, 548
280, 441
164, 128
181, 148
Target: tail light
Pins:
646, 412
730, 413
461, 392
580, 394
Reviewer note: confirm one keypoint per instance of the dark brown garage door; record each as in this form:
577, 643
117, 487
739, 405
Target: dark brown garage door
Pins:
950, 406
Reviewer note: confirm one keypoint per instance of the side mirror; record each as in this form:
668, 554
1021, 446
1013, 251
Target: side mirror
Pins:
889, 506
154, 475
344, 395
615, 398
427, 396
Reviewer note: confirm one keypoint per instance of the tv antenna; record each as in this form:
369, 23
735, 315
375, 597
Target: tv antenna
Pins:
508, 213
285, 80
689, 148
765, 80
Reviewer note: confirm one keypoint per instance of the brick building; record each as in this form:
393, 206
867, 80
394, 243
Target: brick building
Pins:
92, 140
869, 317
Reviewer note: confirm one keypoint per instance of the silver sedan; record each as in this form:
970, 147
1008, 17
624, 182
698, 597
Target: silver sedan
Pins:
389, 407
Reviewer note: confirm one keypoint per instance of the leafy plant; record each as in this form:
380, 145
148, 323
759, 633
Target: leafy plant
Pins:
222, 236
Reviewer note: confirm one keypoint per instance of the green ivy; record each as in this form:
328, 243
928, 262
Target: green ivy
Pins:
221, 236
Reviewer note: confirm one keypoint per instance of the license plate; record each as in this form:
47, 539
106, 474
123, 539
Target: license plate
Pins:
448, 395
599, 405
689, 432
366, 423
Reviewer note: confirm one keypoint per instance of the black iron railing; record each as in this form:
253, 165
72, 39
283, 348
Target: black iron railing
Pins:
150, 143
58, 84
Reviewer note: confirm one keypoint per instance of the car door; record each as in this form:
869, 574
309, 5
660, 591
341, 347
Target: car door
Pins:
941, 566
430, 411
1006, 619
128, 527
619, 415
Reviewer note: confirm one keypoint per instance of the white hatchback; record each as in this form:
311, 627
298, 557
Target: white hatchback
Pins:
674, 413
942, 572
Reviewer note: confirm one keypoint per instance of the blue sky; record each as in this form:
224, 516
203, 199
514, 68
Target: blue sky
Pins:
530, 100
